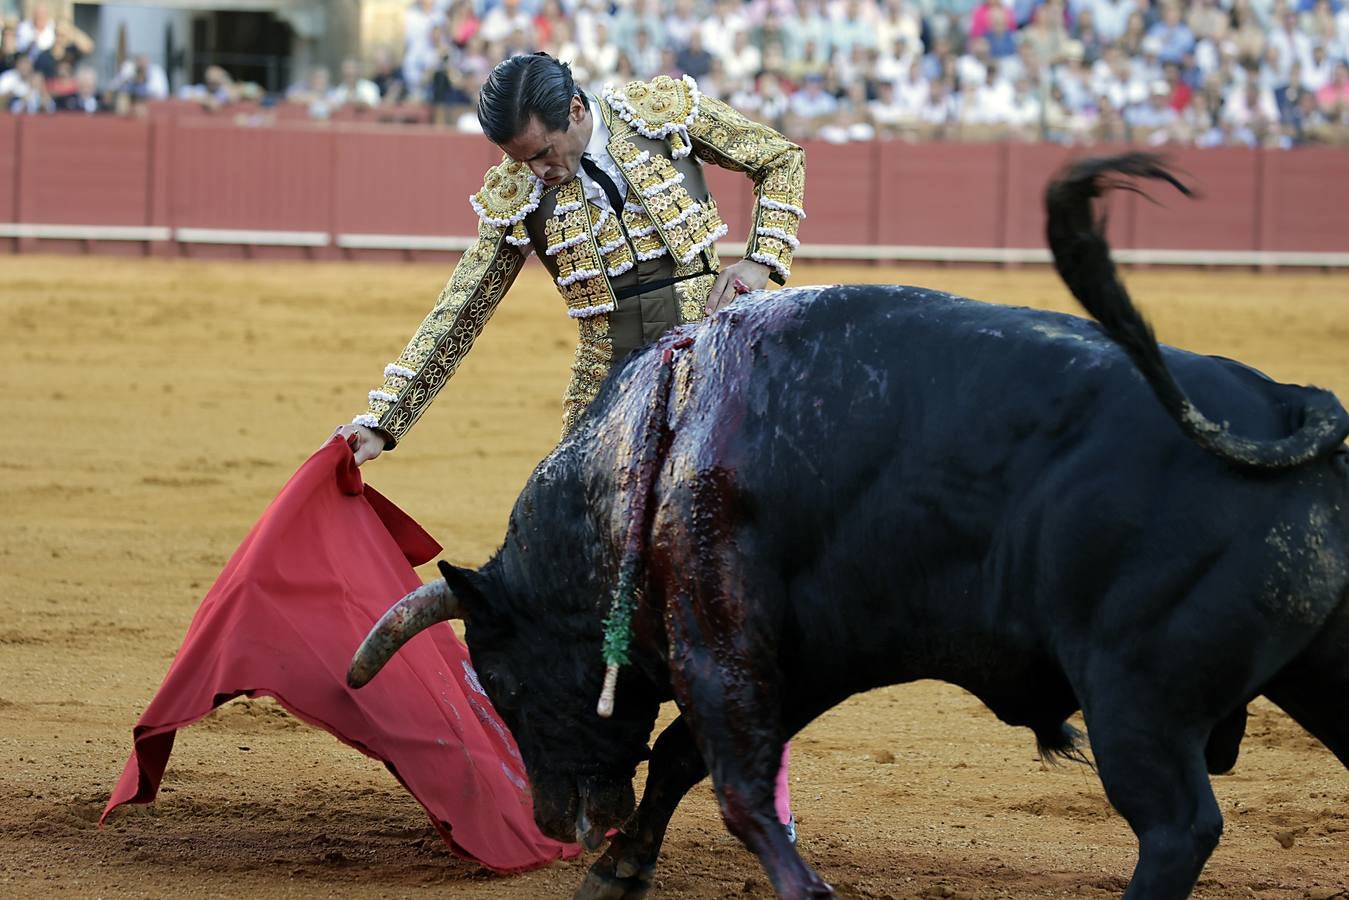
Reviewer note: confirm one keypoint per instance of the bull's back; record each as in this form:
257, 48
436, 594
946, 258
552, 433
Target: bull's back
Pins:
826, 388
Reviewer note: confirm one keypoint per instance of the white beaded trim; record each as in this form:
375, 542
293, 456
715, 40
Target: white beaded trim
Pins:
606, 249
695, 208
634, 163
369, 420
578, 275
394, 369
642, 232
651, 254
620, 268
531, 205
555, 249
667, 183
780, 235
772, 263
563, 208
706, 242
785, 207
517, 242
620, 104
586, 312
382, 397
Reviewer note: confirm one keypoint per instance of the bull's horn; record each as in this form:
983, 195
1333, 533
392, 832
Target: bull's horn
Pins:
419, 610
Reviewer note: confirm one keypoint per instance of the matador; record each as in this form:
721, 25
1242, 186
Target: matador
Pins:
611, 196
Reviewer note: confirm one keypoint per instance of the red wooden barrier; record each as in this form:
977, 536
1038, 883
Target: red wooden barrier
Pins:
266, 179
83, 171
1304, 200
843, 205
9, 169
734, 194
408, 181
935, 195
1223, 217
305, 189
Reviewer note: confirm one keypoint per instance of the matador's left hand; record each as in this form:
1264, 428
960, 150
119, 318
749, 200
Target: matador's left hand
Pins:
752, 276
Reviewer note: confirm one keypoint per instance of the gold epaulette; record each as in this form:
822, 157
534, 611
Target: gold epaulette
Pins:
660, 109
509, 193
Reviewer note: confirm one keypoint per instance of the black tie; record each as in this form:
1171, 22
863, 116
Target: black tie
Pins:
611, 190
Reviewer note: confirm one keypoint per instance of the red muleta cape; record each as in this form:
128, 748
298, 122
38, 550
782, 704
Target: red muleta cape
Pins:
283, 620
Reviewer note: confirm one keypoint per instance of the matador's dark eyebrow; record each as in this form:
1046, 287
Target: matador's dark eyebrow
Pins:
541, 154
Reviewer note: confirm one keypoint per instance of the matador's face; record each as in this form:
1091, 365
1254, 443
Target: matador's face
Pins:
553, 156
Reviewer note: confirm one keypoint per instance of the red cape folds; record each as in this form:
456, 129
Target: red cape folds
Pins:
283, 620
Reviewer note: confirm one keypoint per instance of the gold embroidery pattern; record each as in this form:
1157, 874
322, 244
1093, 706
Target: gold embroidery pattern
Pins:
509, 193
686, 226
725, 138
612, 246
590, 365
570, 236
692, 296
482, 277
643, 232
662, 108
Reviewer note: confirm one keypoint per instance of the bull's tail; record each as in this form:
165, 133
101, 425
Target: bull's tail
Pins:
1082, 257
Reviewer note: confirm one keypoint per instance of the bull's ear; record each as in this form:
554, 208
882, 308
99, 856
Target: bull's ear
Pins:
463, 584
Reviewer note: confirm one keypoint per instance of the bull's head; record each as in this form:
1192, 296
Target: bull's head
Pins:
540, 664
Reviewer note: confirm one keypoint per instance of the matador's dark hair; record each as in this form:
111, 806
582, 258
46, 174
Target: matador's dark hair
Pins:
525, 87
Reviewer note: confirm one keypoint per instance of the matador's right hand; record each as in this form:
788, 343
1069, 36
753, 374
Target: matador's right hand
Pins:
369, 443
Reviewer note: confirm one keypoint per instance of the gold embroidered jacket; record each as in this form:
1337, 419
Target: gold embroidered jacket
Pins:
655, 127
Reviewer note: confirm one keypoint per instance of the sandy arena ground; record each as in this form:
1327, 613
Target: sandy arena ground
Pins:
156, 406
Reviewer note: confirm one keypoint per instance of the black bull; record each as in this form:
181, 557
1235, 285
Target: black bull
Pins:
840, 488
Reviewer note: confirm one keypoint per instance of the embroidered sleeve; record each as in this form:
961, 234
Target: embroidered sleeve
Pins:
777, 167
480, 280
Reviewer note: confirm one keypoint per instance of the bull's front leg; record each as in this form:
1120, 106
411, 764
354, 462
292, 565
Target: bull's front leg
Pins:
723, 621
625, 870
727, 688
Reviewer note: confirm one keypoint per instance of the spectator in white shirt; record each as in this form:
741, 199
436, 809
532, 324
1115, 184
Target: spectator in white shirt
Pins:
1153, 115
720, 28
353, 90
14, 83
418, 21
973, 66
851, 24
744, 60
940, 110
1073, 79
1290, 42
911, 91
1251, 106
602, 55
682, 24
888, 112
645, 55
900, 23
1318, 74
39, 32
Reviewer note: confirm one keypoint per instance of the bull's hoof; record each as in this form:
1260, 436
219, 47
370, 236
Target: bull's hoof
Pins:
602, 886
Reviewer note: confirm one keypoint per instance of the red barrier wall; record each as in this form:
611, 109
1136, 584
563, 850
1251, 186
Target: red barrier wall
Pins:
193, 171
408, 181
81, 171
9, 169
